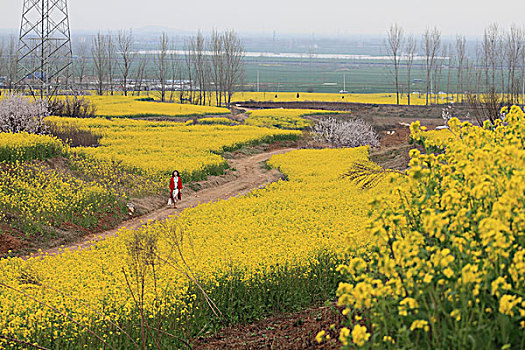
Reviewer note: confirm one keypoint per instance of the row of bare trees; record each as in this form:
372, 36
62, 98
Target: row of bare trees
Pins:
215, 67
110, 58
208, 70
494, 69
8, 64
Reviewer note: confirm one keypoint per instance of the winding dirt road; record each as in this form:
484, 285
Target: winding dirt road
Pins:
250, 174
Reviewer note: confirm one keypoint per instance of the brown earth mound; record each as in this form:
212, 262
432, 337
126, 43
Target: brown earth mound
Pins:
7, 241
293, 331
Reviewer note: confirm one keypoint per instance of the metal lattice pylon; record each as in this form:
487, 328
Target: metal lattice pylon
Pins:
44, 47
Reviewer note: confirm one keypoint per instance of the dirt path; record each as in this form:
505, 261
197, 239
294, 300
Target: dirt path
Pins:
250, 174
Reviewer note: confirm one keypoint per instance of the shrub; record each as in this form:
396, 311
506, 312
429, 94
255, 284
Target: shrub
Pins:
18, 114
145, 99
76, 107
345, 133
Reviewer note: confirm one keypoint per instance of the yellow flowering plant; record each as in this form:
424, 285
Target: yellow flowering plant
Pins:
447, 266
34, 199
134, 107
212, 121
292, 119
375, 98
24, 146
274, 250
157, 148
133, 160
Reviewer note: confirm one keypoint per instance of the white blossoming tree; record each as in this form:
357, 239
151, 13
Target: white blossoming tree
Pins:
18, 113
345, 133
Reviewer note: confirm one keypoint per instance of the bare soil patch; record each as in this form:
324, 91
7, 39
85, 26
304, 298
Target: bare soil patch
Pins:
8, 241
381, 116
394, 149
291, 331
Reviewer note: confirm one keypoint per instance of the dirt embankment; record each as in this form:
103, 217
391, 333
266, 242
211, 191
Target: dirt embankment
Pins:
381, 110
294, 331
382, 116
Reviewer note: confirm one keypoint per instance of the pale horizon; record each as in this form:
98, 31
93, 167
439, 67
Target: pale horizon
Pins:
285, 17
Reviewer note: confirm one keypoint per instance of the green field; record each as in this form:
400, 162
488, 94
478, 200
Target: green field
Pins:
312, 74
327, 75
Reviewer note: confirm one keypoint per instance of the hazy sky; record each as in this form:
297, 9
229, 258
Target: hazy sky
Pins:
468, 17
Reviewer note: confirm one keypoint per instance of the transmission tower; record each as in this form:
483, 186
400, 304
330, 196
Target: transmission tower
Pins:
44, 48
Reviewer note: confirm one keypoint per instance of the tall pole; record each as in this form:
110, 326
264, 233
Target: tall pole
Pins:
44, 56
523, 92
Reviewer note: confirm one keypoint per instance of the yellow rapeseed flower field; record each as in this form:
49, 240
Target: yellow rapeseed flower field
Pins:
158, 148
284, 118
34, 198
134, 159
25, 146
212, 120
131, 106
276, 246
437, 138
376, 98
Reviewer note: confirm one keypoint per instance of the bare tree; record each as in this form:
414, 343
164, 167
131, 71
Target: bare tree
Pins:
100, 61
217, 65
411, 48
451, 58
140, 74
437, 73
162, 65
199, 60
182, 85
2, 61
111, 54
432, 42
468, 79
188, 60
394, 44
460, 57
234, 63
11, 62
514, 49
486, 101
174, 70
522, 62
202, 63
81, 62
476, 73
502, 66
127, 56
490, 52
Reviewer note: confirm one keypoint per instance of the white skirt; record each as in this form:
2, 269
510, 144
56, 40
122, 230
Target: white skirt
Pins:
174, 196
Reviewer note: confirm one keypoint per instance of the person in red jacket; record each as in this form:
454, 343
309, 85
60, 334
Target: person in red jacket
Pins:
175, 189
